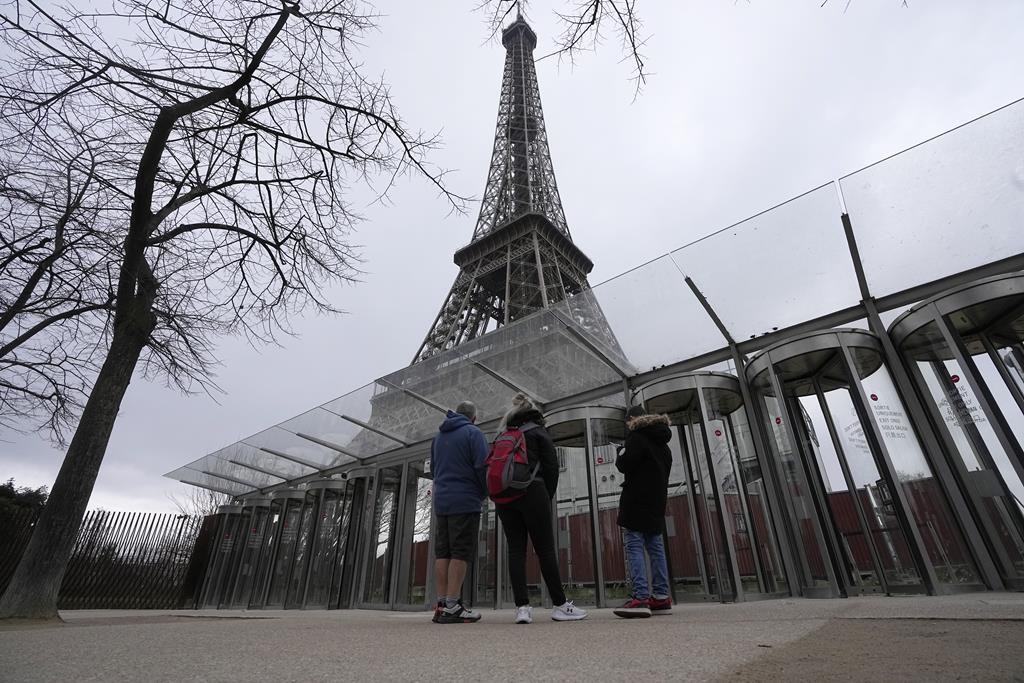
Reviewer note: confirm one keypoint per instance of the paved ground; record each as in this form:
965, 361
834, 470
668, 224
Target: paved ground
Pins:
978, 637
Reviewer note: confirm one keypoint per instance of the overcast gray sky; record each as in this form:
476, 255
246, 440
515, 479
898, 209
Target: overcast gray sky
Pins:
749, 104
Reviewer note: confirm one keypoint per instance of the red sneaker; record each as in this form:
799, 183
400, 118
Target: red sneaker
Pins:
660, 606
634, 609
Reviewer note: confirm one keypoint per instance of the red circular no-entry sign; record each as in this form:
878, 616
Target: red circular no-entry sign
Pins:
874, 397
778, 420
718, 432
955, 378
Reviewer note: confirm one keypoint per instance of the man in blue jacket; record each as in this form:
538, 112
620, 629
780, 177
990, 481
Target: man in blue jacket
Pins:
457, 458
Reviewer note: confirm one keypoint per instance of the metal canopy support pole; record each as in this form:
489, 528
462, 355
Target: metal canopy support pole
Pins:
589, 345
292, 458
328, 444
413, 394
209, 487
708, 308
255, 468
235, 480
377, 430
507, 382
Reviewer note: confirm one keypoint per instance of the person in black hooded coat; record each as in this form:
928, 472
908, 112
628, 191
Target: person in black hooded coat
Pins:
646, 460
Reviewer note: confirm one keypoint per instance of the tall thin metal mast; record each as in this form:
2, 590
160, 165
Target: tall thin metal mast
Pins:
522, 257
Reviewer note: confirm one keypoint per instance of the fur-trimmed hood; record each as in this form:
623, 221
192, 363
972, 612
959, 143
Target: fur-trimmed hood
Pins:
643, 421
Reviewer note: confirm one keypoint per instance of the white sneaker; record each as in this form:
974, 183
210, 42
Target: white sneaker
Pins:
568, 612
524, 614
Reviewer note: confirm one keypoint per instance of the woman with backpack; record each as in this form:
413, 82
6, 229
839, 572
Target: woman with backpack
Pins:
529, 514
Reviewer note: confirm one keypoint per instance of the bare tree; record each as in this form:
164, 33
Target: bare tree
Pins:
55, 271
206, 147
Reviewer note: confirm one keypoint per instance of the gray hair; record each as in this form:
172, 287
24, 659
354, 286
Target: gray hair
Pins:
467, 408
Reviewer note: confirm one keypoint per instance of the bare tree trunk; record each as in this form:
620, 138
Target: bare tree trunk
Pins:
32, 592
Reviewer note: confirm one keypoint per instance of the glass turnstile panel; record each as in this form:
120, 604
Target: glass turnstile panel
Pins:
219, 577
812, 559
329, 544
383, 533
743, 514
573, 529
722, 543
605, 437
940, 535
419, 515
869, 534
267, 560
690, 578
297, 573
706, 508
286, 547
487, 556
884, 524
982, 463
754, 531
254, 534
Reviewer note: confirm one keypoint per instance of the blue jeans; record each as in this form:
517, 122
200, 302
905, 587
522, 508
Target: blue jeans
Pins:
635, 543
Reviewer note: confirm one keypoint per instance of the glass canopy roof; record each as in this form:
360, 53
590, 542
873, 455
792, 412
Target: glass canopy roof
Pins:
919, 219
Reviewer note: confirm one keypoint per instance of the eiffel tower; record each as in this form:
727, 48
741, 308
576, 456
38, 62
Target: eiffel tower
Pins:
521, 261
522, 258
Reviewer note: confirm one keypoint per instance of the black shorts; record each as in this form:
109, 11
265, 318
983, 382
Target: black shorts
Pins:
456, 536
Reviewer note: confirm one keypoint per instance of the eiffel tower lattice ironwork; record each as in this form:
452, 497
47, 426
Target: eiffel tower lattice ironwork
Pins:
522, 257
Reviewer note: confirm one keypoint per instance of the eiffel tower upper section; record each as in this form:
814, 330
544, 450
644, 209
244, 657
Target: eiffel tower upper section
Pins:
521, 178
522, 257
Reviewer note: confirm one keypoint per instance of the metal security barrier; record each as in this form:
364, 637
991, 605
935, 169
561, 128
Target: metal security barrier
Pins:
121, 560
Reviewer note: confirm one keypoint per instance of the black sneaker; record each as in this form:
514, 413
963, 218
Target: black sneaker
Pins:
438, 608
458, 615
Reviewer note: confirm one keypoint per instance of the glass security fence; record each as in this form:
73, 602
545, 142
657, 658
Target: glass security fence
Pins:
965, 354
866, 513
223, 553
721, 539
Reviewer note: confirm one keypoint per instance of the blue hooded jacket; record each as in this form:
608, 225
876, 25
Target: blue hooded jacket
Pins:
457, 458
